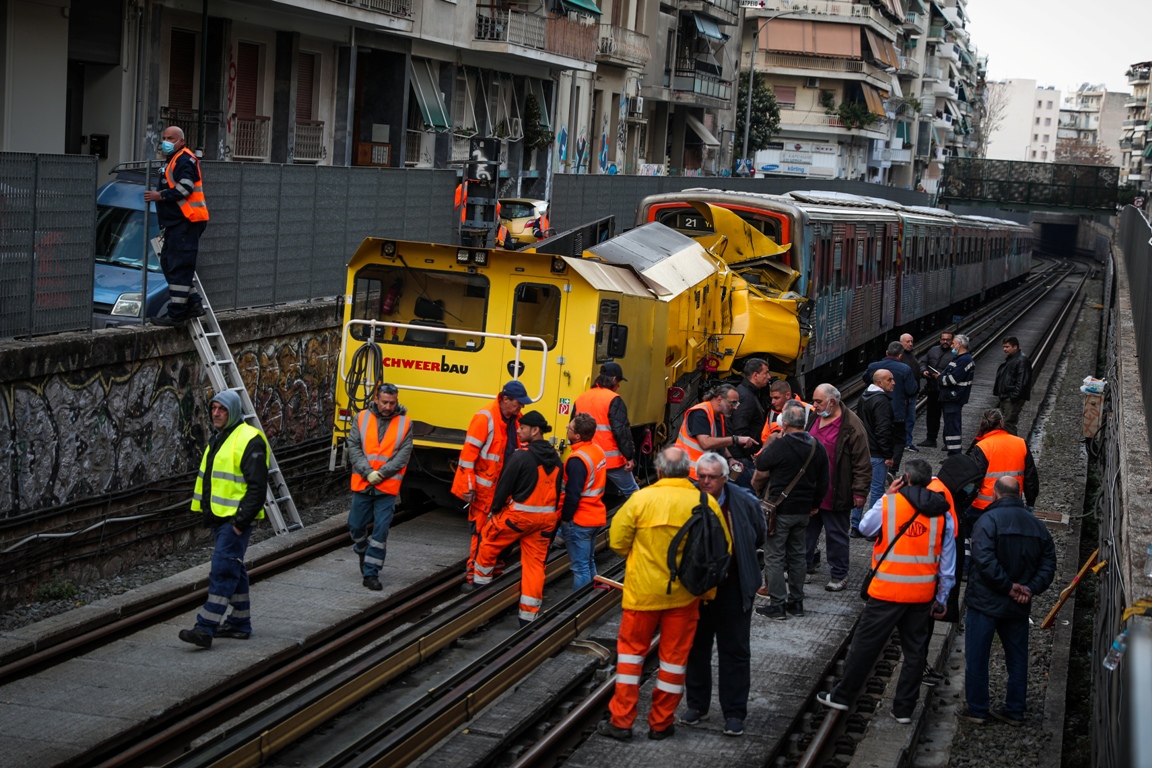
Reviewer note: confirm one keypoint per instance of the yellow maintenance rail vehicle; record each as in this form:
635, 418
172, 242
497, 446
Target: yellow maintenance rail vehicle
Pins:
450, 325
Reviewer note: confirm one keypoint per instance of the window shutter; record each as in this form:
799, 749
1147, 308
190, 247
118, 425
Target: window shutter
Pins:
305, 77
247, 79
181, 70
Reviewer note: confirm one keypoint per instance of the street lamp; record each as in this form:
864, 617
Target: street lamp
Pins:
752, 76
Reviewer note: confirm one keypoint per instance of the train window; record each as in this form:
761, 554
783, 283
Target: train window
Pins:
536, 311
609, 317
689, 221
861, 266
430, 299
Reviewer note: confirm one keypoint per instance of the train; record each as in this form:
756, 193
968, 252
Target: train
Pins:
704, 281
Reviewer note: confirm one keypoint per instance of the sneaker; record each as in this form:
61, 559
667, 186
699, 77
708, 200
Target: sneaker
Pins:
197, 637
912, 448
902, 719
762, 592
233, 633
825, 698
1003, 717
733, 726
664, 734
963, 714
605, 728
693, 717
777, 612
373, 583
837, 586
929, 443
794, 608
931, 677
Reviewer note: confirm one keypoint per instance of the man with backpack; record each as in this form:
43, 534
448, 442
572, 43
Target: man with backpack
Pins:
655, 600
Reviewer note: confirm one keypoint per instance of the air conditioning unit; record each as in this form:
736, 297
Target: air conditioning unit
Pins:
811, 82
635, 105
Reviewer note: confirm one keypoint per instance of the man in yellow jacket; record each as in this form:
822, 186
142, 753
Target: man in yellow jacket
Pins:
641, 531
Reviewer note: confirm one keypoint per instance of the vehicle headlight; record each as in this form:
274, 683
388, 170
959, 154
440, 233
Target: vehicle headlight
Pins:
127, 305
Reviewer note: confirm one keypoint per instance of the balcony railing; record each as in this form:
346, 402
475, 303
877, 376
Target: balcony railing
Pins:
188, 120
400, 8
1135, 103
618, 44
689, 77
936, 32
729, 7
562, 37
908, 66
811, 62
1136, 76
912, 20
309, 141
251, 138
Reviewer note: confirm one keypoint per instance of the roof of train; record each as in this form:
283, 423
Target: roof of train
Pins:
671, 260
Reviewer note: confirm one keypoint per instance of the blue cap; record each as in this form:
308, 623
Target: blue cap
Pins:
515, 390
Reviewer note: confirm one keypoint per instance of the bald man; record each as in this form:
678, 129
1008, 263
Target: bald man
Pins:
875, 409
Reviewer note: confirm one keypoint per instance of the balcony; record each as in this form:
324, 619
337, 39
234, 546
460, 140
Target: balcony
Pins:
561, 37
399, 8
936, 32
622, 46
899, 156
250, 141
695, 77
1131, 123
725, 11
908, 67
309, 141
1135, 103
933, 73
1138, 75
817, 121
799, 8
188, 120
912, 21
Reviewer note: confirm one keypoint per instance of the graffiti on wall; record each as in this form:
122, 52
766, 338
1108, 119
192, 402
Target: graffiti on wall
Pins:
73, 434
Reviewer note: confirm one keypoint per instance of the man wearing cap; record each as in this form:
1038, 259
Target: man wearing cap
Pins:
490, 441
231, 487
525, 508
613, 431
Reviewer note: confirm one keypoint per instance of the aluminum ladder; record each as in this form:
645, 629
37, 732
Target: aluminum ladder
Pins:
225, 375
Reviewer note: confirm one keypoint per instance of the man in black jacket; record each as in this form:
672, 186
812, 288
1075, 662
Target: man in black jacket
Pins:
903, 397
908, 357
1013, 382
1013, 559
875, 410
777, 465
934, 361
748, 418
231, 488
727, 618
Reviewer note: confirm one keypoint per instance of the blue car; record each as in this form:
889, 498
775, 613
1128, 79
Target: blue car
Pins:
120, 239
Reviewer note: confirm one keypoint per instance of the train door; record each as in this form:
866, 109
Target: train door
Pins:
536, 311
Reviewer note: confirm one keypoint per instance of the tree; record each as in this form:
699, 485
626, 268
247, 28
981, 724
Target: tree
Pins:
987, 116
1082, 152
765, 114
536, 136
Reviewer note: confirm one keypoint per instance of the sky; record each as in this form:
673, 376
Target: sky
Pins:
1062, 43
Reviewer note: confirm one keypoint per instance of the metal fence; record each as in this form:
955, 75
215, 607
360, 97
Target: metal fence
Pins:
579, 198
47, 228
1012, 183
278, 233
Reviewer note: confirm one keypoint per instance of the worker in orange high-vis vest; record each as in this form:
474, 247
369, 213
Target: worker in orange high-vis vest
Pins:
704, 428
642, 531
525, 510
582, 511
490, 441
182, 215
460, 201
379, 447
1001, 454
910, 586
781, 393
613, 430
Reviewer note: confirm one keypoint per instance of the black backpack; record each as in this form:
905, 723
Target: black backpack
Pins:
962, 476
706, 557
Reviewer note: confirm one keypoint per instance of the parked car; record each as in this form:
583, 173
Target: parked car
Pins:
120, 240
519, 215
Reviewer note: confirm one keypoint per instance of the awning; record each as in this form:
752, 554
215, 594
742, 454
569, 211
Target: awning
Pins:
1148, 151
811, 38
586, 7
955, 70
965, 55
882, 50
428, 95
960, 90
897, 91
956, 116
699, 129
538, 90
707, 27
872, 98
904, 132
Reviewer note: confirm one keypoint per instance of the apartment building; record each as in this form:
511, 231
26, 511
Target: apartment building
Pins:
1029, 119
1094, 115
1135, 144
346, 82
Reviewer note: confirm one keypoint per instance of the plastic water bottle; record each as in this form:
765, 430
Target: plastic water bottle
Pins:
1116, 652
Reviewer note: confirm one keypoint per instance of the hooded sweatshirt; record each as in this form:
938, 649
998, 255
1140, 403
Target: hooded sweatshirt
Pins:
253, 464
929, 504
518, 479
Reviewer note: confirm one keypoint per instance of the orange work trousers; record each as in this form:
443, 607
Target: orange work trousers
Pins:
477, 519
677, 628
534, 532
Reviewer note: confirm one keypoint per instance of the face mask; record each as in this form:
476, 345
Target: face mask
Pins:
955, 352
825, 414
168, 147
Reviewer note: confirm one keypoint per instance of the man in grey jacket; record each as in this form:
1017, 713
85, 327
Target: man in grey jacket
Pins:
728, 618
379, 446
1013, 560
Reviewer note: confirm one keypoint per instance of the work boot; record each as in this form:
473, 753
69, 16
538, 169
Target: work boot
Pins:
169, 321
605, 728
233, 633
373, 583
664, 734
197, 637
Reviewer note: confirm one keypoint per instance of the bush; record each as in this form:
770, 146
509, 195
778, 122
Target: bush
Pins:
57, 589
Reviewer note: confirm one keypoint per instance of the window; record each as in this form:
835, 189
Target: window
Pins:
181, 73
120, 238
433, 299
1039, 104
305, 79
536, 312
247, 81
785, 96
1036, 137
1033, 154
426, 88
464, 106
1044, 155
1046, 137
1037, 121
609, 316
1049, 105
1047, 121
